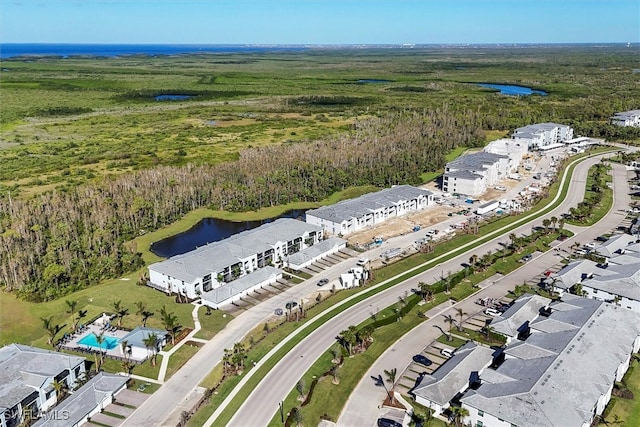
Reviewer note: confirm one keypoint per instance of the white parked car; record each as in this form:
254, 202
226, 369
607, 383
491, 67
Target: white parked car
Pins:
500, 188
446, 352
362, 262
492, 312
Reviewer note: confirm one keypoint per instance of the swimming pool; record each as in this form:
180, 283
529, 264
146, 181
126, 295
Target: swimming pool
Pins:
109, 343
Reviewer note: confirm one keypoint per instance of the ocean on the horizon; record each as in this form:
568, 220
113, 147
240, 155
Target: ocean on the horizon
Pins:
12, 50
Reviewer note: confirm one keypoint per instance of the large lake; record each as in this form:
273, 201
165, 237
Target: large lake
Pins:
513, 90
210, 230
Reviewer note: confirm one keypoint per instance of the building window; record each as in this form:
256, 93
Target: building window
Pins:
479, 423
481, 413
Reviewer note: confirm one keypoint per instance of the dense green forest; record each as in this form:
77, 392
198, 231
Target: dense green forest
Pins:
89, 160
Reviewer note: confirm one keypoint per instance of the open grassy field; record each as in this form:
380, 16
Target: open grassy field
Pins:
68, 121
20, 320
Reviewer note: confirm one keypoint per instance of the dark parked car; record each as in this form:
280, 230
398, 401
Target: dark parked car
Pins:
602, 238
322, 282
526, 258
290, 305
418, 358
386, 422
279, 312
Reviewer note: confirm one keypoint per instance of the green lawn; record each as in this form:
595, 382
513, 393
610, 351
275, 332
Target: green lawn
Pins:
179, 358
211, 323
627, 412
20, 320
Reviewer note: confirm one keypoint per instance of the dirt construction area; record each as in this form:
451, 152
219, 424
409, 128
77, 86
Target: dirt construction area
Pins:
401, 225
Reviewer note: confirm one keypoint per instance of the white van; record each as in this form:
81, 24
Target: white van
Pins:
362, 262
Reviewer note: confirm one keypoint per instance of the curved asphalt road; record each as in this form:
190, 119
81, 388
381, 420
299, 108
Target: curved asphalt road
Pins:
263, 402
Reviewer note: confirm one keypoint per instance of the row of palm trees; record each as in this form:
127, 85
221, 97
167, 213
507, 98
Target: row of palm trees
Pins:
360, 338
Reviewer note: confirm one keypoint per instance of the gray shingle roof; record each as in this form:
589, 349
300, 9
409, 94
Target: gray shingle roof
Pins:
463, 174
316, 250
76, 407
238, 286
627, 114
615, 244
138, 335
367, 203
24, 369
475, 161
523, 309
215, 256
453, 375
557, 377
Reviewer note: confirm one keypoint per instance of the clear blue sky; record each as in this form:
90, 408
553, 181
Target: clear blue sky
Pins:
319, 21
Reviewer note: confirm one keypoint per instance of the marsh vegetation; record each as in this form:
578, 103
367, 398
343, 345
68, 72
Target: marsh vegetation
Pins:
91, 160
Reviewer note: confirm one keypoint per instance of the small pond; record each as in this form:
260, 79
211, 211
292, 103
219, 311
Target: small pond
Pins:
166, 97
210, 230
513, 90
373, 81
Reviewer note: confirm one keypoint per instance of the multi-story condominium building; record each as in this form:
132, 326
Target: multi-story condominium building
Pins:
543, 135
559, 368
472, 174
627, 118
370, 209
27, 379
617, 280
221, 272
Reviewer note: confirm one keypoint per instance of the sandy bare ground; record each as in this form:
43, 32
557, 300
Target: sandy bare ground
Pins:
401, 225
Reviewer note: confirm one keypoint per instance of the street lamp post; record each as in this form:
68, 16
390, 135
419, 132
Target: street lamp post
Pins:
282, 412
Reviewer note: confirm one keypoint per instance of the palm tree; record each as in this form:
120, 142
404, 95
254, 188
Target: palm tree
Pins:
52, 330
334, 373
391, 379
60, 388
425, 291
120, 311
473, 261
300, 389
459, 413
142, 311
348, 338
170, 322
239, 354
554, 221
451, 321
546, 223
461, 314
99, 340
151, 343
72, 311
226, 360
364, 335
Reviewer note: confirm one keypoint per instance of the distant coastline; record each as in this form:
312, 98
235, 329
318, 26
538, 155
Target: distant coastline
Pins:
65, 50
13, 50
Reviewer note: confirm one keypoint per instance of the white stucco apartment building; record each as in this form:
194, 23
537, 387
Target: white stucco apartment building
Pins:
543, 135
627, 118
27, 377
370, 209
616, 281
221, 272
472, 174
559, 368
